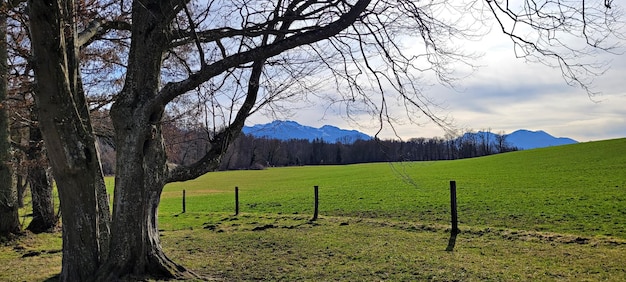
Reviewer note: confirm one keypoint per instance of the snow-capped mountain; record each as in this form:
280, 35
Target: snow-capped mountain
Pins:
286, 130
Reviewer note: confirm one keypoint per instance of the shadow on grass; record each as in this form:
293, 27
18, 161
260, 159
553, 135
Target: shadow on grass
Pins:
54, 278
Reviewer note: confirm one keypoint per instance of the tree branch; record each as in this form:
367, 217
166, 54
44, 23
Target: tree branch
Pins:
97, 28
174, 89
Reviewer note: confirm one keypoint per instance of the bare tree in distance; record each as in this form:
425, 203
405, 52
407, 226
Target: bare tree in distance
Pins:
9, 219
244, 57
26, 141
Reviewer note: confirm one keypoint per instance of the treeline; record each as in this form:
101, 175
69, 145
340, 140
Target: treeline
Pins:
249, 152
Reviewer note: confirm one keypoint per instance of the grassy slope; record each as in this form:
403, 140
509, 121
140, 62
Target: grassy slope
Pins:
376, 225
576, 189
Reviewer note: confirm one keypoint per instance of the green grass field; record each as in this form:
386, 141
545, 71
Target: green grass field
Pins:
539, 215
576, 189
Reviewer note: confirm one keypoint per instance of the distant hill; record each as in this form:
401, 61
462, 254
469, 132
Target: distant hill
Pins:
524, 139
287, 130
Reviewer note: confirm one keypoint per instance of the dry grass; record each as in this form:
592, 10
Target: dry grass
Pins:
290, 248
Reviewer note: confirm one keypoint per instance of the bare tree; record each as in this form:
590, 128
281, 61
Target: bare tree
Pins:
26, 139
501, 143
65, 125
44, 217
244, 56
9, 219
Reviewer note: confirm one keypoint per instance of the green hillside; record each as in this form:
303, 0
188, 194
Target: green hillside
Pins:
575, 189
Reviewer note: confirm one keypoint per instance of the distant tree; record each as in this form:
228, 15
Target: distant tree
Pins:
44, 216
501, 143
485, 142
29, 150
9, 219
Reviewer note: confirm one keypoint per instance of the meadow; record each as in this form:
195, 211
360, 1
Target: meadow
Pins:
547, 214
578, 189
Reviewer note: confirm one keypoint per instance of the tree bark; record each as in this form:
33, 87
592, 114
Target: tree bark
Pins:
135, 245
141, 161
21, 186
70, 142
9, 218
44, 218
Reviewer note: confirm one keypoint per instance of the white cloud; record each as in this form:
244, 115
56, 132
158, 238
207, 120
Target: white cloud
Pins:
507, 94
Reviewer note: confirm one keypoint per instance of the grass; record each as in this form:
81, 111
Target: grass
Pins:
289, 248
31, 257
547, 214
574, 189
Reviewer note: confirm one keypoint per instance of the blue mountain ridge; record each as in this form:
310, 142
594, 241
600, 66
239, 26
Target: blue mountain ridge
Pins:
524, 139
287, 130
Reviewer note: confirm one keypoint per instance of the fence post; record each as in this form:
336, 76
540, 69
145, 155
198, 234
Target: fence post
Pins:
453, 208
184, 204
316, 211
236, 200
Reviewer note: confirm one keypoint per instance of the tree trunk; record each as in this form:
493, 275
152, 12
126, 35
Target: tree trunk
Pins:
70, 142
140, 161
44, 218
20, 185
140, 173
9, 218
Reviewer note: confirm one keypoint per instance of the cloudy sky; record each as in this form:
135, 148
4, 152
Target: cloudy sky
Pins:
507, 94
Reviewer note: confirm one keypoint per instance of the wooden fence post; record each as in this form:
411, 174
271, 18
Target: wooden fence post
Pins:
184, 204
316, 211
236, 200
453, 208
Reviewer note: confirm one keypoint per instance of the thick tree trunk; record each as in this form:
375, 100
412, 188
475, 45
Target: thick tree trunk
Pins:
70, 143
44, 218
135, 245
9, 218
140, 161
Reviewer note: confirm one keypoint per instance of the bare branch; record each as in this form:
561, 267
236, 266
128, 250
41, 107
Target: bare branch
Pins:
97, 28
171, 90
547, 32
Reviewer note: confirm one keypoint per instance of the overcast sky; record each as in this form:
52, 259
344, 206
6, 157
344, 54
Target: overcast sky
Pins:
507, 94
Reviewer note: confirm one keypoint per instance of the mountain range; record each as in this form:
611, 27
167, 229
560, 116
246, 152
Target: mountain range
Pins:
526, 139
286, 130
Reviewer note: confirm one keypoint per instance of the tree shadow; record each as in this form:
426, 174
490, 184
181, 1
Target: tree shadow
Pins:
54, 278
451, 241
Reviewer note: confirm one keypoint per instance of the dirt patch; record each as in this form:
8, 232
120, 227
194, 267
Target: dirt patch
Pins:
523, 235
